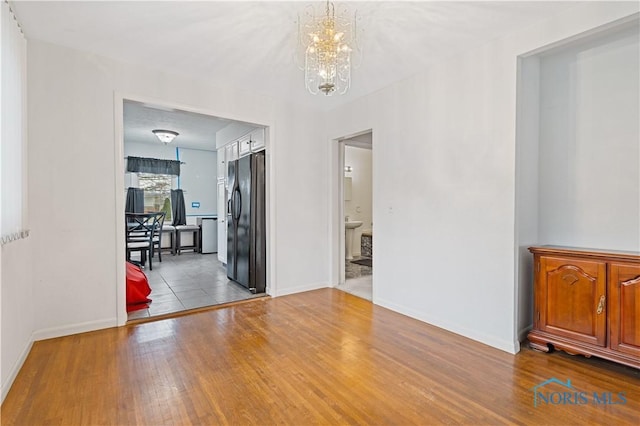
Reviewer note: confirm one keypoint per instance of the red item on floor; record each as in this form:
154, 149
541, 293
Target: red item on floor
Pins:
137, 288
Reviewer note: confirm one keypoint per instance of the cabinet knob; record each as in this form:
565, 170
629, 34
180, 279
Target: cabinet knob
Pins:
600, 305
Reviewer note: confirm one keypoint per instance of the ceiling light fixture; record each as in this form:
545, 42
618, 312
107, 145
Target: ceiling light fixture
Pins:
165, 136
327, 42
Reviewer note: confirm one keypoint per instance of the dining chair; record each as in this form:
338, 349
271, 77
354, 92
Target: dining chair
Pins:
142, 232
157, 235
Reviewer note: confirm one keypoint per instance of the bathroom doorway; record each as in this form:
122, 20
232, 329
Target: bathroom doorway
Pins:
358, 215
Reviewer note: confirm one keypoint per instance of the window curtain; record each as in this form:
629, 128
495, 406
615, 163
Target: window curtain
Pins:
13, 121
153, 165
135, 201
178, 208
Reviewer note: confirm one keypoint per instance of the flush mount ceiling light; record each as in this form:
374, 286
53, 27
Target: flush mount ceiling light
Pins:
165, 136
326, 44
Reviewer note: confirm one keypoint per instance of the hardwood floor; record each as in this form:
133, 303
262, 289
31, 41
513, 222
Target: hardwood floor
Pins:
321, 357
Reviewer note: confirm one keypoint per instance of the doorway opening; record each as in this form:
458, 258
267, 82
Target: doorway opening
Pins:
356, 174
192, 273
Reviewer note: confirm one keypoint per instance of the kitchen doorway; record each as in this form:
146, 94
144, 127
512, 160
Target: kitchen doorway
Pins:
190, 278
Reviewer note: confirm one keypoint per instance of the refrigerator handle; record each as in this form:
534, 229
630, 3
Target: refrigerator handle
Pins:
239, 206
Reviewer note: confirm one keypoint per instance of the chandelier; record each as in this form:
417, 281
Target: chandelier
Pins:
327, 42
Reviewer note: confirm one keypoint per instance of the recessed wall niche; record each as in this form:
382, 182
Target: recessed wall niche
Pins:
578, 149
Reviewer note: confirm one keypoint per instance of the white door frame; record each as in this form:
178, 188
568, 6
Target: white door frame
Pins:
118, 105
336, 206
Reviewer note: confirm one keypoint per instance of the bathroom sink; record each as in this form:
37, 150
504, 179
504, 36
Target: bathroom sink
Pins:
349, 226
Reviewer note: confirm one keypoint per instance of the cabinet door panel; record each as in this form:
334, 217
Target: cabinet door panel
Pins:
573, 299
624, 308
244, 146
257, 140
222, 165
231, 152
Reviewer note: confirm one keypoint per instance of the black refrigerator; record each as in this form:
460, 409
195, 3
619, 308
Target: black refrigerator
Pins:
246, 223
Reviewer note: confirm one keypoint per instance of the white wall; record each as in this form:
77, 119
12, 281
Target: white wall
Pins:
161, 150
444, 189
17, 310
526, 209
199, 180
359, 207
72, 134
300, 176
590, 144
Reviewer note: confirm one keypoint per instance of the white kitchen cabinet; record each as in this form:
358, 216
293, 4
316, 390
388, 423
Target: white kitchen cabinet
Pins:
222, 164
231, 152
244, 146
222, 221
257, 140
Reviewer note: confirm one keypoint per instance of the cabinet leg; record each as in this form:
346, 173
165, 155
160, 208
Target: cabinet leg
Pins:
540, 347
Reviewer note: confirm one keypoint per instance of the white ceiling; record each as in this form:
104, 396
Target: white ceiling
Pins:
196, 131
251, 45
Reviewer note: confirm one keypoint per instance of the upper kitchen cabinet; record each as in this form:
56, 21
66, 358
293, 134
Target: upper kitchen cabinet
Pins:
244, 145
231, 151
257, 140
252, 142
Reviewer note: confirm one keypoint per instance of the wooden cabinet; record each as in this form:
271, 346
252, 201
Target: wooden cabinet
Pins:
587, 302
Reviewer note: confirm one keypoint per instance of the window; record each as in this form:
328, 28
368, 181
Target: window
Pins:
13, 51
157, 192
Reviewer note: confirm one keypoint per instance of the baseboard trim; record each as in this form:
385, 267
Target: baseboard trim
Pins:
67, 330
522, 333
506, 346
6, 386
300, 289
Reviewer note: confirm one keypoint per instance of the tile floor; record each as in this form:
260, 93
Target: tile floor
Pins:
358, 280
189, 281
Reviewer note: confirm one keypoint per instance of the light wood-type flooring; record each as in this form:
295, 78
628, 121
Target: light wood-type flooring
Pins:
320, 357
